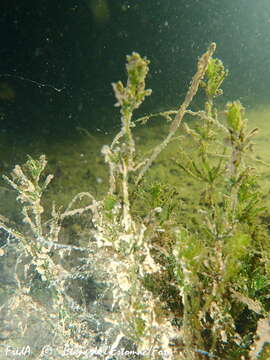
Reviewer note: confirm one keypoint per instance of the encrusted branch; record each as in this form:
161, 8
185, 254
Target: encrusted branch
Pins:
201, 70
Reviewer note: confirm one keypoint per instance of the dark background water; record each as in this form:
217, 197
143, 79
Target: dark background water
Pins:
59, 58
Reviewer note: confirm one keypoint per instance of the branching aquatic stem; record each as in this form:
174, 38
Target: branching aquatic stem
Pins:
201, 70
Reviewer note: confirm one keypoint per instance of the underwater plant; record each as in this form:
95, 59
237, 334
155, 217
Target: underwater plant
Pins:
185, 283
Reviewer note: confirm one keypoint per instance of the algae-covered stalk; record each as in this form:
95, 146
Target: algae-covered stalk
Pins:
215, 76
130, 98
240, 141
202, 67
120, 155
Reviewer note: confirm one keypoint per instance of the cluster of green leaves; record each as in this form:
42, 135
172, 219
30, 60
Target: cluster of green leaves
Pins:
227, 243
156, 195
221, 245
